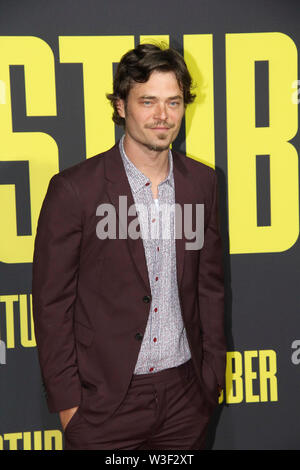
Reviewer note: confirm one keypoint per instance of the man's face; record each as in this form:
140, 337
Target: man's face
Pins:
153, 111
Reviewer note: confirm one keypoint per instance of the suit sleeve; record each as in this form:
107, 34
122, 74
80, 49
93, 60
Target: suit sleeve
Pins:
54, 281
211, 292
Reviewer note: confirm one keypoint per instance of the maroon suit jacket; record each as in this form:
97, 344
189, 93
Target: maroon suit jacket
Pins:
91, 297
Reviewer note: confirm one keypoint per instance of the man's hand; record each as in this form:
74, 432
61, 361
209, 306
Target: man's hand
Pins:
66, 415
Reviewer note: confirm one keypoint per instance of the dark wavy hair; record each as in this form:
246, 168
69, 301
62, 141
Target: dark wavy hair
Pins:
137, 65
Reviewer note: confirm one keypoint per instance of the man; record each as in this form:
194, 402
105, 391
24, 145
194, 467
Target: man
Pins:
130, 328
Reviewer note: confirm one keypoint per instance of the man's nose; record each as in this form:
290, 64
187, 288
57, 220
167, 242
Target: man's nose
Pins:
161, 112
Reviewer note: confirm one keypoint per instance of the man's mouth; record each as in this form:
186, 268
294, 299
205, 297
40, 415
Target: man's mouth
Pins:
160, 127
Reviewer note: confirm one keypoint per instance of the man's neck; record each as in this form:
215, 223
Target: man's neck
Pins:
153, 164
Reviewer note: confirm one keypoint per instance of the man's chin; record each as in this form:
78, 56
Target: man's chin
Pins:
157, 148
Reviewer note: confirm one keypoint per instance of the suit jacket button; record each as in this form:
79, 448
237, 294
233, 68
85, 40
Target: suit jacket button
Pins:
146, 299
139, 337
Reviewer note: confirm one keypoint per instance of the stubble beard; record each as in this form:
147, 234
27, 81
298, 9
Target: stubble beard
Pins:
159, 147
155, 147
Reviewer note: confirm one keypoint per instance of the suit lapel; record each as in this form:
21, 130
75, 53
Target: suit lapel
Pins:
118, 185
183, 195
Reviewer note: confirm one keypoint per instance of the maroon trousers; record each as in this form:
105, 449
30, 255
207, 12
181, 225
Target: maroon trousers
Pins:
165, 410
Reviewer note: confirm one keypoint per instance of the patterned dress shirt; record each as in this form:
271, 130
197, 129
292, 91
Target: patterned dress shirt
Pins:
164, 343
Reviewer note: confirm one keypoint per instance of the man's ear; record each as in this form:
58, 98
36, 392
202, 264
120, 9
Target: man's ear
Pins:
121, 108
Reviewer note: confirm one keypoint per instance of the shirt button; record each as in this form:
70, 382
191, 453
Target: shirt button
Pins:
139, 337
156, 278
147, 184
151, 369
146, 299
155, 310
158, 248
153, 220
154, 339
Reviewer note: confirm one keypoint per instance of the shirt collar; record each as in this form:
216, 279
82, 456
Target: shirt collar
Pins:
137, 179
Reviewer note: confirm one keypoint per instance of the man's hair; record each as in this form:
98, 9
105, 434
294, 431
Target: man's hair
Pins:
137, 65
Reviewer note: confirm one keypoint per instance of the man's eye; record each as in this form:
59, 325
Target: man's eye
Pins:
174, 103
147, 103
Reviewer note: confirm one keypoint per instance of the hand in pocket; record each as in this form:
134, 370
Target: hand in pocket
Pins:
66, 416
